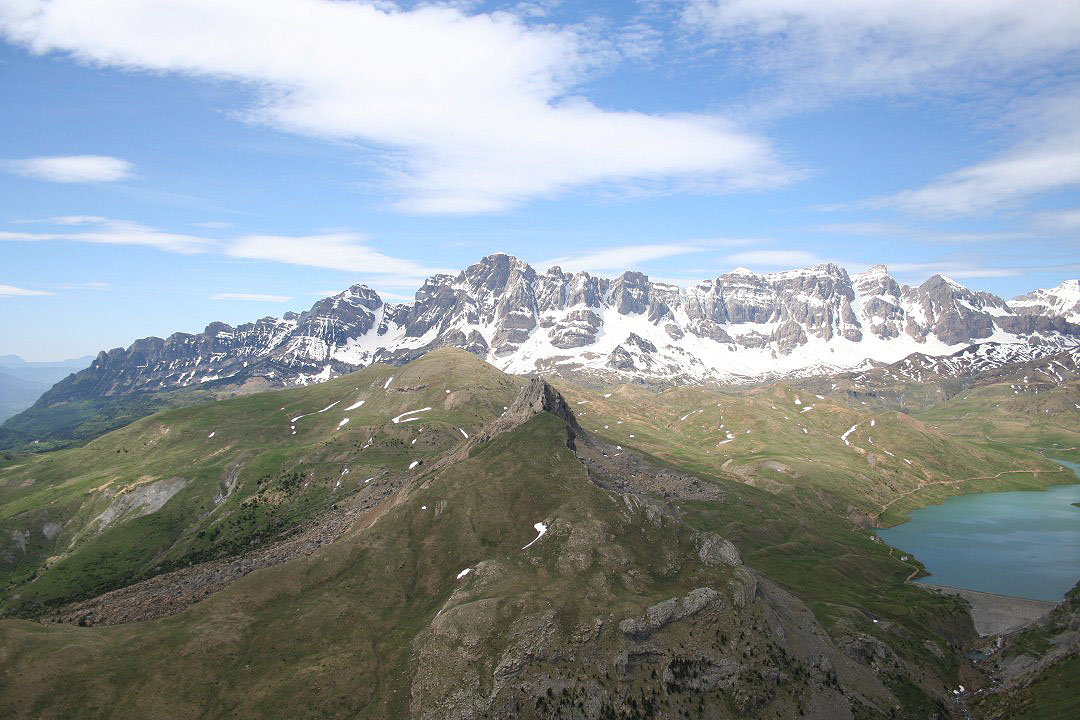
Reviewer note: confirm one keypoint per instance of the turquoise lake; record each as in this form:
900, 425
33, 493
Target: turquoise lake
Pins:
1025, 544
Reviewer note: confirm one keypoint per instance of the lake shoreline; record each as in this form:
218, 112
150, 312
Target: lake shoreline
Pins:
1021, 545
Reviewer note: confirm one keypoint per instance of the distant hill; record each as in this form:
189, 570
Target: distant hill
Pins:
48, 373
22, 382
18, 394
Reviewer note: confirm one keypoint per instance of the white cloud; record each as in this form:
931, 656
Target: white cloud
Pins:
1059, 219
344, 251
116, 232
955, 270
253, 297
820, 49
619, 258
775, 258
11, 290
901, 232
71, 168
336, 251
473, 113
626, 257
213, 224
1001, 183
399, 297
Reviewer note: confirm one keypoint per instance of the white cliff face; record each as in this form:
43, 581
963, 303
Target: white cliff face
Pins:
740, 326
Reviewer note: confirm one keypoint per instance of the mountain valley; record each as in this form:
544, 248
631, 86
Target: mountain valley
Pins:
442, 539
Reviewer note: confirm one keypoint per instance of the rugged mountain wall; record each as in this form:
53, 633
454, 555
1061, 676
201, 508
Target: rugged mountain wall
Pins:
740, 326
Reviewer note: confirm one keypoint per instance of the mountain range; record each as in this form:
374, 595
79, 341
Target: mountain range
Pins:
738, 327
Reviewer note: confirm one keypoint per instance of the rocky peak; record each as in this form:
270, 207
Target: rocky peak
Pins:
630, 293
1062, 301
538, 396
876, 281
534, 397
495, 272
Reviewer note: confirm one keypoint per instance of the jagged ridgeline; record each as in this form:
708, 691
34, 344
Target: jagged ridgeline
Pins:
736, 328
444, 540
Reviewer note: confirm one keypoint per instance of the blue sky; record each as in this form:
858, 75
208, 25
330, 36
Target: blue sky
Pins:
166, 164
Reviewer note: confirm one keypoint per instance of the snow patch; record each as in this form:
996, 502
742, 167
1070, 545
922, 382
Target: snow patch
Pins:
540, 528
398, 419
316, 412
355, 405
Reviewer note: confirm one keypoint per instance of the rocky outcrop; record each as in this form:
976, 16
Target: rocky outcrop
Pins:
664, 613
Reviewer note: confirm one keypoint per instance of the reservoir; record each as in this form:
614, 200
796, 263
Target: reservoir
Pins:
1024, 544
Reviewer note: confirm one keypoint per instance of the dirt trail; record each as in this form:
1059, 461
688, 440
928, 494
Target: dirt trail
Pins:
923, 486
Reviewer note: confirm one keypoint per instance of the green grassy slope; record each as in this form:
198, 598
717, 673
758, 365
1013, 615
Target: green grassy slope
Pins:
249, 482
41, 428
380, 625
768, 437
1012, 414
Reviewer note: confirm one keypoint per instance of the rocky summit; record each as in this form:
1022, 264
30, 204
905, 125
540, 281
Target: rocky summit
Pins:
740, 326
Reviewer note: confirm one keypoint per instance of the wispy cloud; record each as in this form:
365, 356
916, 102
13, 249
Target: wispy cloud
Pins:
1001, 183
12, 291
628, 257
1059, 219
213, 224
955, 269
115, 232
903, 232
1045, 160
71, 168
336, 251
342, 251
384, 294
399, 297
96, 286
487, 116
775, 258
821, 50
253, 297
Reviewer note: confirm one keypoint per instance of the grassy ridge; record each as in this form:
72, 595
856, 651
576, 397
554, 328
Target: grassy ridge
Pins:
332, 635
278, 479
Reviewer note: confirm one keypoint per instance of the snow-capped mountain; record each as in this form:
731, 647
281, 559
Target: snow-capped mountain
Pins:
1062, 301
740, 326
